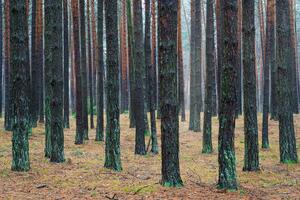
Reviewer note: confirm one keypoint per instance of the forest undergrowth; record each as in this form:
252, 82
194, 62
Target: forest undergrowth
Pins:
82, 176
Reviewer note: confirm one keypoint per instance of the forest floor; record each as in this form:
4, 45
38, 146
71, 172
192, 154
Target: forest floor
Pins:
82, 176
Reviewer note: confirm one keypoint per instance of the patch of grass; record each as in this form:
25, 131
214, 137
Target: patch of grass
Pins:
4, 173
77, 153
140, 189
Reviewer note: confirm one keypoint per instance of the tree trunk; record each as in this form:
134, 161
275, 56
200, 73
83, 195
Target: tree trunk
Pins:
66, 65
228, 71
79, 121
83, 68
20, 91
112, 145
251, 160
287, 140
100, 75
210, 76
54, 63
139, 78
167, 14
270, 64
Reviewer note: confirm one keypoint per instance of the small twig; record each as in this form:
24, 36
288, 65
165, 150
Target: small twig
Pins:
141, 188
111, 198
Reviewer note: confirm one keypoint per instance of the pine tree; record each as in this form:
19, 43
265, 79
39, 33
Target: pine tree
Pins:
270, 64
168, 94
79, 121
210, 76
20, 79
100, 74
1, 55
139, 81
287, 140
228, 71
112, 142
251, 160
83, 67
66, 64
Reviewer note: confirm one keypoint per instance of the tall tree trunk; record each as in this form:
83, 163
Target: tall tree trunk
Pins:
139, 78
76, 34
210, 76
251, 160
8, 102
100, 75
40, 58
287, 140
83, 67
270, 64
167, 14
239, 61
229, 46
180, 65
112, 142
20, 91
130, 39
124, 61
66, 65
54, 62
91, 104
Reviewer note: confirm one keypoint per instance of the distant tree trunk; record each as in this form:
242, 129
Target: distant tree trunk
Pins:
112, 142
20, 75
94, 50
83, 68
34, 97
167, 14
139, 80
180, 65
239, 61
90, 74
229, 46
151, 68
131, 62
210, 76
270, 64
8, 102
79, 121
251, 160
66, 65
40, 58
124, 61
287, 140
274, 73
1, 54
100, 75
197, 100
294, 77
54, 62
192, 66
219, 26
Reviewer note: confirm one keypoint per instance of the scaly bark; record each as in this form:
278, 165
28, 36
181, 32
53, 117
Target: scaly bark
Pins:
168, 94
287, 140
112, 142
251, 159
226, 157
20, 80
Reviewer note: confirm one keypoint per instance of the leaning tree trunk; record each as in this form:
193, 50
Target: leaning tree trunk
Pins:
20, 80
251, 160
168, 94
226, 157
112, 142
287, 140
100, 75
